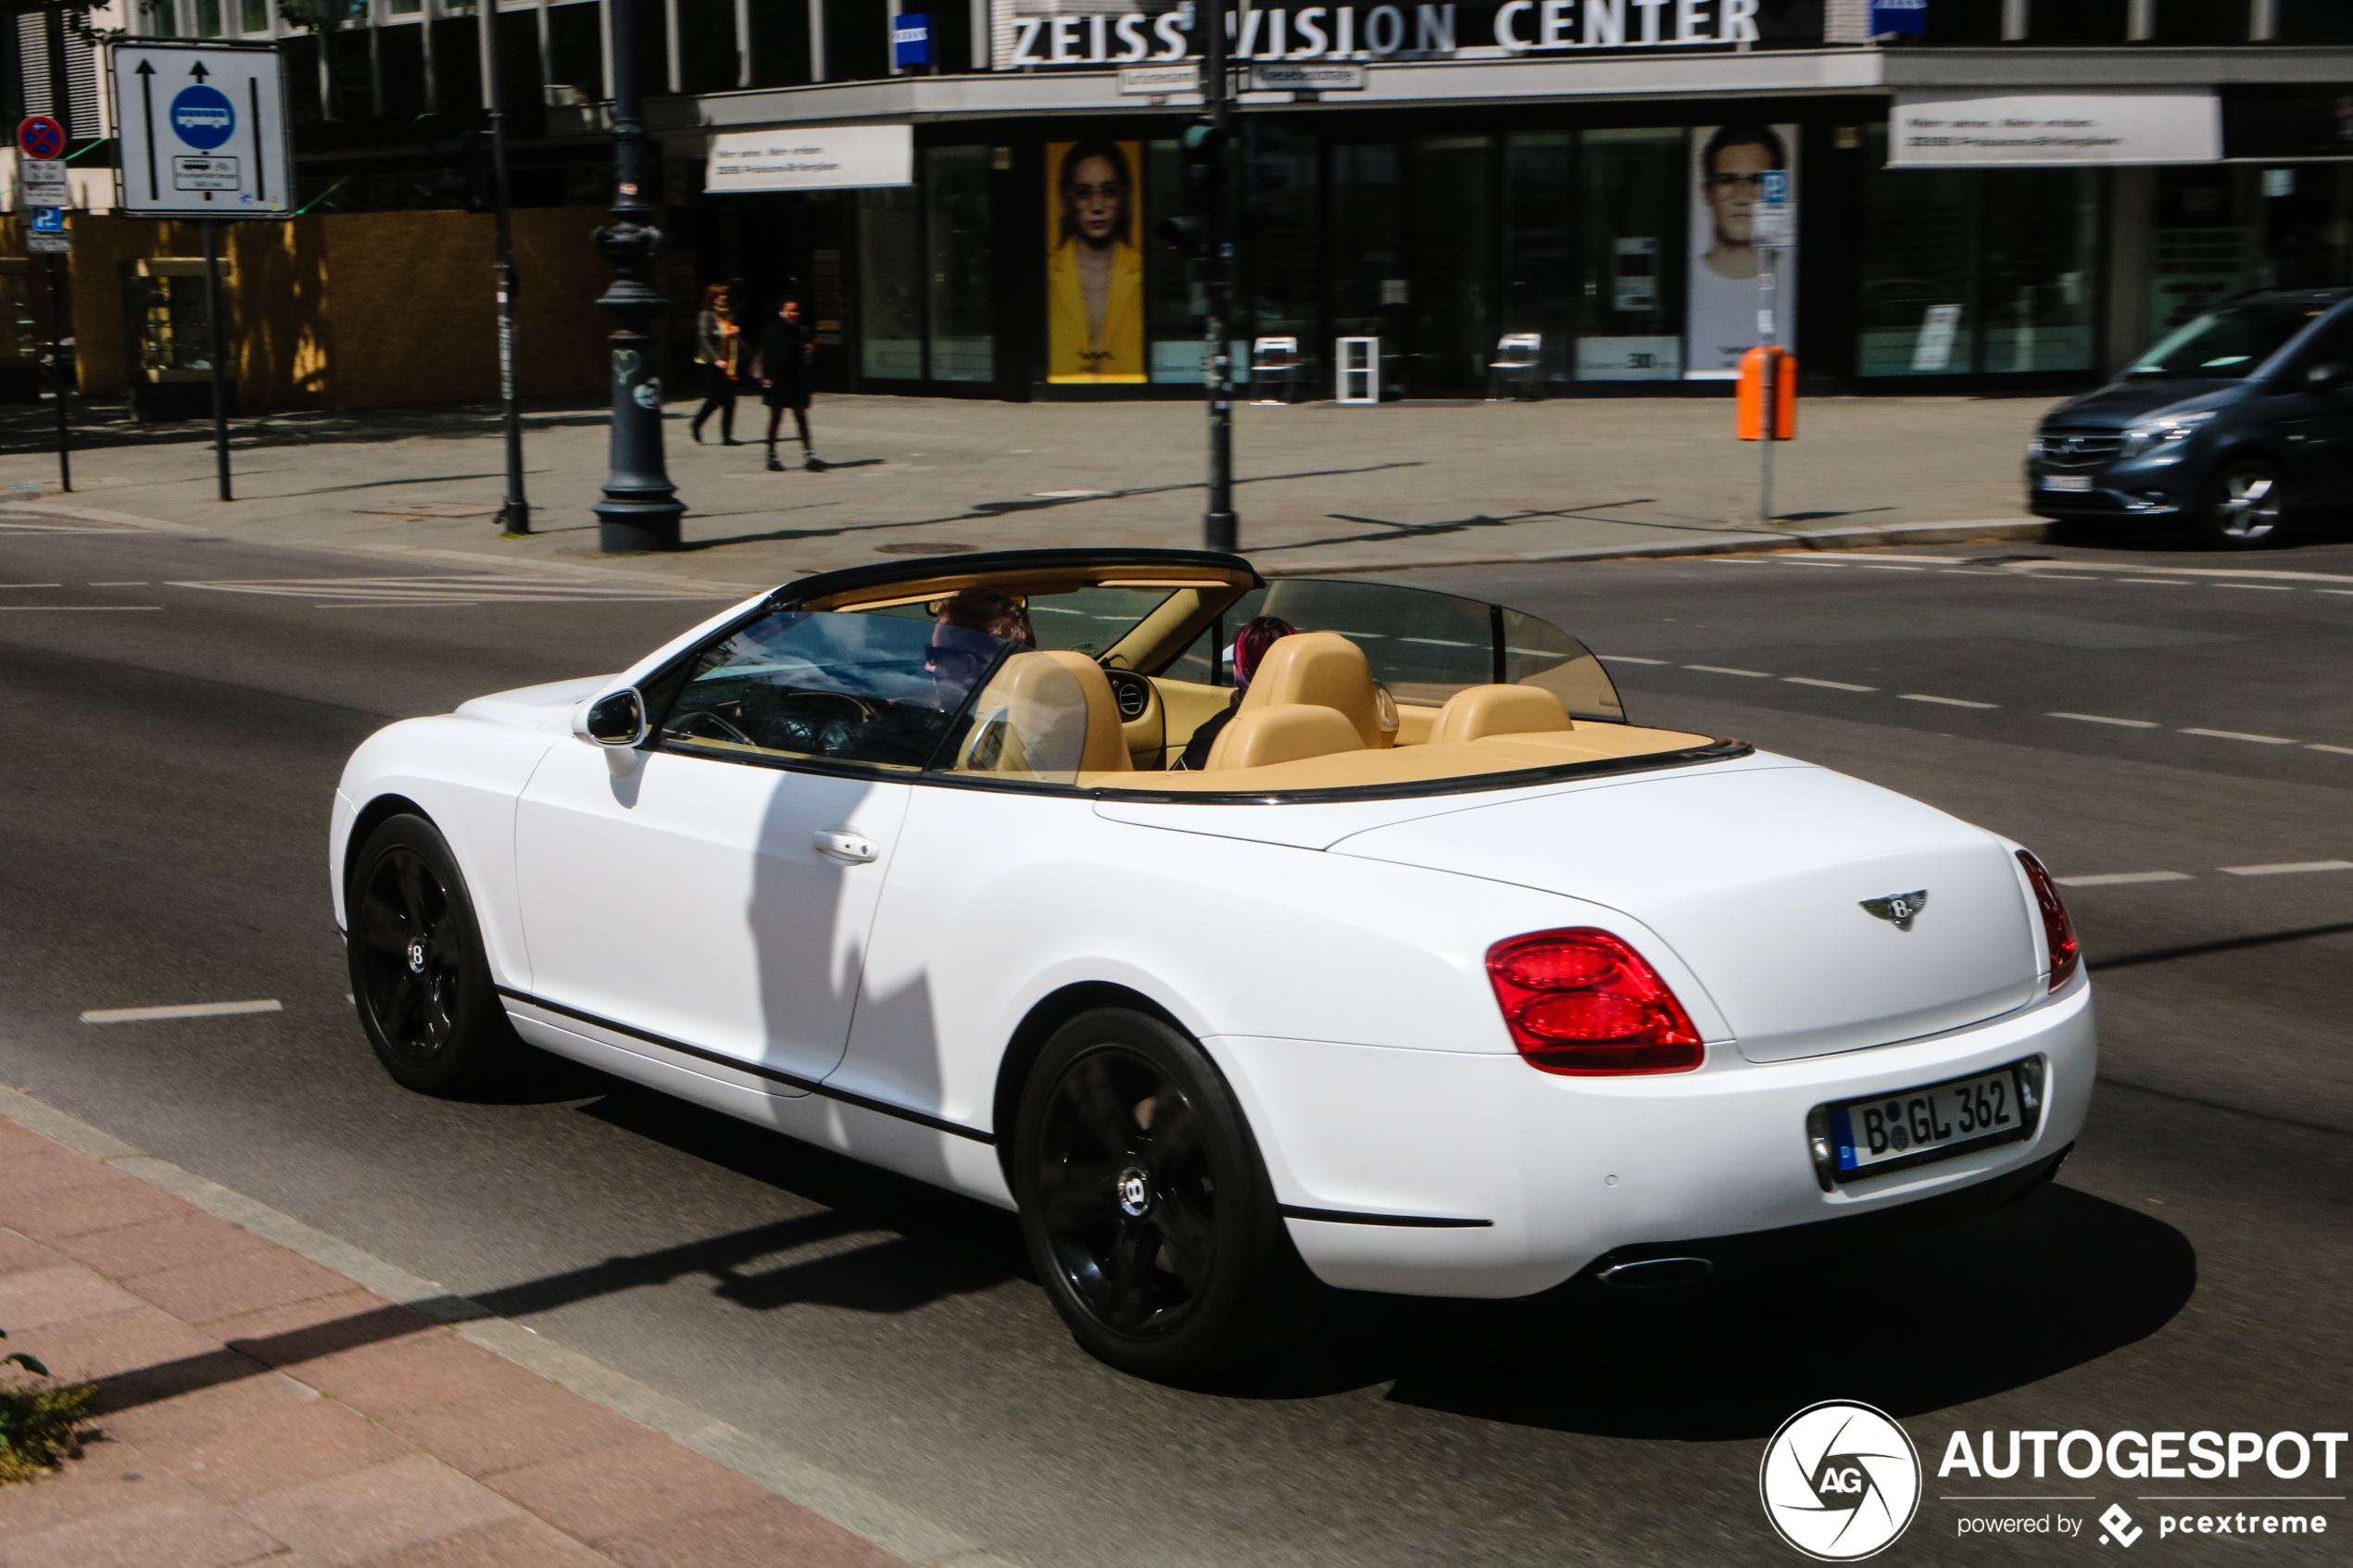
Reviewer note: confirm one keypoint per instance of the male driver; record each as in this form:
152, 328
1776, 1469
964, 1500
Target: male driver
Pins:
1731, 180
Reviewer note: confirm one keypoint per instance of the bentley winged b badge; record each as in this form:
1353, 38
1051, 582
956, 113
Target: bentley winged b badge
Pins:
1898, 908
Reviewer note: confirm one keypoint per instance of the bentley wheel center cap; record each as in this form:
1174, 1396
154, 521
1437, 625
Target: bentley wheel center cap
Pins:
417, 956
1135, 1194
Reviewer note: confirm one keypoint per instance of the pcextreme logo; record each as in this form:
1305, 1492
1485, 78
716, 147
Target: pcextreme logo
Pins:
1840, 1481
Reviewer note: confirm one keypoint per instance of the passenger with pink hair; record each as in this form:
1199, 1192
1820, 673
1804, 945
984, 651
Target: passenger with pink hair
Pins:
1249, 645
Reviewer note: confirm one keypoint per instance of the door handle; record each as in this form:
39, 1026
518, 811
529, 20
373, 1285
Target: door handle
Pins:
850, 848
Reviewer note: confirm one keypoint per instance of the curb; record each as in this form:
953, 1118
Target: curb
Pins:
850, 1504
2004, 529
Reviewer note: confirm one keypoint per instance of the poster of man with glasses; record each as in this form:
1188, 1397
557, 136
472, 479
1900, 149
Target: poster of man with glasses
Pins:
1728, 164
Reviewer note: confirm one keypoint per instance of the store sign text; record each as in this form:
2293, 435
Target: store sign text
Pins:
1353, 33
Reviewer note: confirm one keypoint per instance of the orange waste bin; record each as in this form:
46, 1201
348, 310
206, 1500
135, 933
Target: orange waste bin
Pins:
1755, 367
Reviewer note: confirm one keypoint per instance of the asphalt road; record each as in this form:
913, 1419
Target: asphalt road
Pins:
163, 816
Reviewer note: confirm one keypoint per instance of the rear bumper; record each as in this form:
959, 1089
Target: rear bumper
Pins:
1463, 1173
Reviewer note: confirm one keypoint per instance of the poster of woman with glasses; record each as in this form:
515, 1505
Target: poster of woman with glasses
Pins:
1094, 270
1728, 165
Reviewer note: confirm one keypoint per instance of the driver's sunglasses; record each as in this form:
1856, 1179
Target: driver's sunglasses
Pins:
935, 655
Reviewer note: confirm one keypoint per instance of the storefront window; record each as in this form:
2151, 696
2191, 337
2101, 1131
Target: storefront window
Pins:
1539, 267
1370, 292
2200, 21
1976, 271
2202, 249
1278, 235
1632, 266
1173, 299
1453, 332
2040, 245
890, 256
956, 225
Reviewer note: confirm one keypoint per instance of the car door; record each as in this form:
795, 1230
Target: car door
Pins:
715, 888
2316, 420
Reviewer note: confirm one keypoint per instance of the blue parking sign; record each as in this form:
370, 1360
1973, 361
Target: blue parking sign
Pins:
1774, 188
49, 220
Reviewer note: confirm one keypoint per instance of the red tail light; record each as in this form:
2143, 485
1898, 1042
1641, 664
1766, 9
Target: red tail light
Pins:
1582, 1002
2058, 932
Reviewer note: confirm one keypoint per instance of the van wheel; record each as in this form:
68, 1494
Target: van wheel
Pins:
418, 975
1147, 1211
2246, 505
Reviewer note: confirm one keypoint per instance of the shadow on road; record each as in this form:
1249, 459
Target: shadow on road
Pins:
1994, 1303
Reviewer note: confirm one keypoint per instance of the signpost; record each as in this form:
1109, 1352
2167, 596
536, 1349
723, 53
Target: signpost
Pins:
41, 169
202, 135
1774, 230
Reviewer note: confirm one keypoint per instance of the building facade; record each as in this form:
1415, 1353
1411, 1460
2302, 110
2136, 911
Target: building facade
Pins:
1987, 193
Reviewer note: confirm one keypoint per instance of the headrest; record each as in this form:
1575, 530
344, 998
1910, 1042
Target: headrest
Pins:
1478, 711
1286, 732
1046, 716
1320, 670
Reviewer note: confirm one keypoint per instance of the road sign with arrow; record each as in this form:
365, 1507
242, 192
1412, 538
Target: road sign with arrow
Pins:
203, 131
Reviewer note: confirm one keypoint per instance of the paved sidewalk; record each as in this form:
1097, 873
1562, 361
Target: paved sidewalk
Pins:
256, 1407
1321, 487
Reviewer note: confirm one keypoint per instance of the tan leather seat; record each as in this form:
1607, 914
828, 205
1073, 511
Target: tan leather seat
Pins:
1320, 670
1048, 715
1478, 711
1282, 732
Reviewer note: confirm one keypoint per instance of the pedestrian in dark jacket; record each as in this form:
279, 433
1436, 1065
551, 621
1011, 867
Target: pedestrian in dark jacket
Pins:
782, 368
716, 341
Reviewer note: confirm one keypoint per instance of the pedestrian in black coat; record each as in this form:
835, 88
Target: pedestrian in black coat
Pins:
782, 368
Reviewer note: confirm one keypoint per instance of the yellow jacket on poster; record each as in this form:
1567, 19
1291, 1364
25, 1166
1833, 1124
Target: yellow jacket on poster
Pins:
1069, 354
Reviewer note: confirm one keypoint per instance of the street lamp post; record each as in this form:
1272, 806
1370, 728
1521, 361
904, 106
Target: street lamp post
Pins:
1220, 527
514, 511
640, 510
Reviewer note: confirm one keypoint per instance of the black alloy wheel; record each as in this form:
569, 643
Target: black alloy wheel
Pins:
1147, 1210
2246, 505
418, 973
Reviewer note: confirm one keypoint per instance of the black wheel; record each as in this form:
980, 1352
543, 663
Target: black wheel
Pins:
1147, 1211
418, 974
2246, 505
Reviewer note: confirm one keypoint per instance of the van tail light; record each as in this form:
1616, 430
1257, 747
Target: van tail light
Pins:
2058, 932
1582, 1002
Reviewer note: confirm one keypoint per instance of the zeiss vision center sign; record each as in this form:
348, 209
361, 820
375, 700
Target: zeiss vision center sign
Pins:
203, 131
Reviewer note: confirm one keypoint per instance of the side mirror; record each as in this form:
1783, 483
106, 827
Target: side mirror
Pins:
2327, 376
616, 719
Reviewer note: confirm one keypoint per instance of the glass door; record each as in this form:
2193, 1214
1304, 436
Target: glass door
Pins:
1630, 255
962, 332
891, 336
1540, 262
1369, 287
1453, 332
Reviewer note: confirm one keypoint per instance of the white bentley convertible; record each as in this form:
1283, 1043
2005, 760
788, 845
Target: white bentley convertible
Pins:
1438, 977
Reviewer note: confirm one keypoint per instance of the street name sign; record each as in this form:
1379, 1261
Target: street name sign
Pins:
1317, 78
202, 130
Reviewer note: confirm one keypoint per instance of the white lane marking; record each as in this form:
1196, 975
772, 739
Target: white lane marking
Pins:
2256, 588
1630, 659
1947, 701
2340, 750
126, 583
2289, 867
2119, 879
2098, 719
185, 1010
1728, 669
1875, 566
41, 584
1833, 685
1810, 560
2235, 735
1731, 561
2063, 577
57, 610
2348, 592
2167, 583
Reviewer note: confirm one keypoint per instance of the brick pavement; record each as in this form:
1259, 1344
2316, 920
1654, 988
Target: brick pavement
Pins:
1320, 487
256, 1407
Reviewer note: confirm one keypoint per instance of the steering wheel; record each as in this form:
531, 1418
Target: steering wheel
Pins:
693, 722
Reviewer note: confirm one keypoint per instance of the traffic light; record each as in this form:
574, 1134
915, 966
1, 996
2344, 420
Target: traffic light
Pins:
1202, 151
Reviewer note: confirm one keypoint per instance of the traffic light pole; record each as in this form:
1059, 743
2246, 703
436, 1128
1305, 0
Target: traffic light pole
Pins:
212, 351
1221, 529
640, 510
514, 512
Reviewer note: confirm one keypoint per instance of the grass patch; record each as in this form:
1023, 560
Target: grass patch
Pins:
41, 1426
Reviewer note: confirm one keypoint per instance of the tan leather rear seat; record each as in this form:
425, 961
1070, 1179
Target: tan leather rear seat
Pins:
1477, 712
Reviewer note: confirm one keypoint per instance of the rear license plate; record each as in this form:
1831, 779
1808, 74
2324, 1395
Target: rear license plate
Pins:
2067, 482
1914, 1126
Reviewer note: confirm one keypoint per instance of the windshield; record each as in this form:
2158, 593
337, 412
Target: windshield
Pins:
2226, 344
1088, 620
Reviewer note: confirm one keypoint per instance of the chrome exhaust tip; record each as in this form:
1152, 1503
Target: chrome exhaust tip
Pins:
1655, 1273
